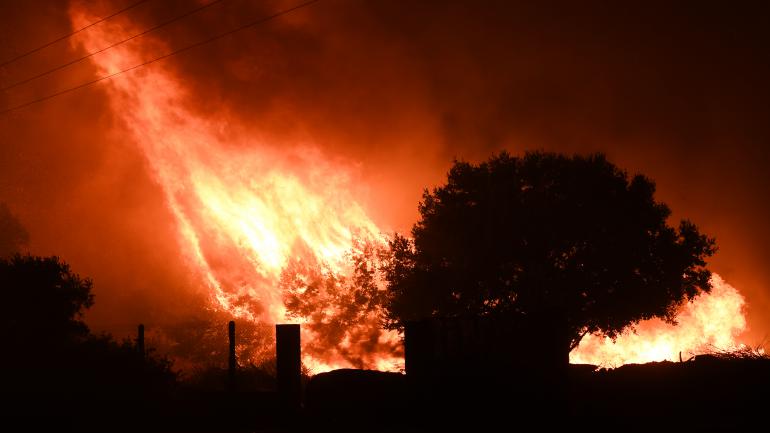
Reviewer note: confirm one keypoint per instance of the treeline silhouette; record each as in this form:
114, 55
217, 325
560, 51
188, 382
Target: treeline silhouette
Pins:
69, 379
512, 262
57, 374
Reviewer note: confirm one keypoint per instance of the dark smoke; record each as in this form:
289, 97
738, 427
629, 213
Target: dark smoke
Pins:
13, 235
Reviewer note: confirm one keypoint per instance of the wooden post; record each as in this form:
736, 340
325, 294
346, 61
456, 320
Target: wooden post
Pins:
231, 358
140, 341
288, 356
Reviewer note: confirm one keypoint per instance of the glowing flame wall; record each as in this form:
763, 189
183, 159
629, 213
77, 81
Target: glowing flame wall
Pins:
710, 322
243, 208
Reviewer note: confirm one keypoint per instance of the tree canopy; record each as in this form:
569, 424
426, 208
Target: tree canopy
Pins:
47, 299
546, 238
50, 349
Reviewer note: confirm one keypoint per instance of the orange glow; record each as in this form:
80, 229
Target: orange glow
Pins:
712, 321
243, 208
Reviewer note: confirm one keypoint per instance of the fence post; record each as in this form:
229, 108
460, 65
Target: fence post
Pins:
288, 356
231, 364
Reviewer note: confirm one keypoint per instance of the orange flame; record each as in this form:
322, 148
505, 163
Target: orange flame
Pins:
711, 321
243, 208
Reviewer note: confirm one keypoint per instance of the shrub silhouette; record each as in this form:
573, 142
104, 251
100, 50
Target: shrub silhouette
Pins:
49, 349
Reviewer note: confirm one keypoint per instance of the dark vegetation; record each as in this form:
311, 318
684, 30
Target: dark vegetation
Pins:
714, 392
55, 373
48, 345
564, 245
84, 382
515, 259
725, 392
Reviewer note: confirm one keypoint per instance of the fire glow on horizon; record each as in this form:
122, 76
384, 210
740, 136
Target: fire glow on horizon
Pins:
245, 209
711, 321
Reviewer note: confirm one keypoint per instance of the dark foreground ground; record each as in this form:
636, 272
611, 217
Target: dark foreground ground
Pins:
706, 394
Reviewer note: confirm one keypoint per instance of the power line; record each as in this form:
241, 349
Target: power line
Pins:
21, 56
80, 59
172, 53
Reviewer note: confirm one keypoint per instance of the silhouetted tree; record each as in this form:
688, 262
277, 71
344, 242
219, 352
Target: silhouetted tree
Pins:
566, 243
45, 301
48, 347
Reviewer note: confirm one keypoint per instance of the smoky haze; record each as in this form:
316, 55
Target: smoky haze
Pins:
395, 91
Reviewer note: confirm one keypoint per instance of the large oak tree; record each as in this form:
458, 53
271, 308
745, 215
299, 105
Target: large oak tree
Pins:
571, 242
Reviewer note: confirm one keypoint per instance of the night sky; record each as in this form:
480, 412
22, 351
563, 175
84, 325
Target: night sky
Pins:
394, 92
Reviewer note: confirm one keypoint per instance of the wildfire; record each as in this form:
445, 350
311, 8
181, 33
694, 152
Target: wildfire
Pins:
709, 322
246, 210
243, 208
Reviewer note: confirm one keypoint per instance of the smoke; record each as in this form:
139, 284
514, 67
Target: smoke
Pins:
13, 236
393, 92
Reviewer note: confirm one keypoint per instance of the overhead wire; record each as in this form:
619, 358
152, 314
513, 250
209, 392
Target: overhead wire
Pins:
68, 35
101, 50
162, 57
